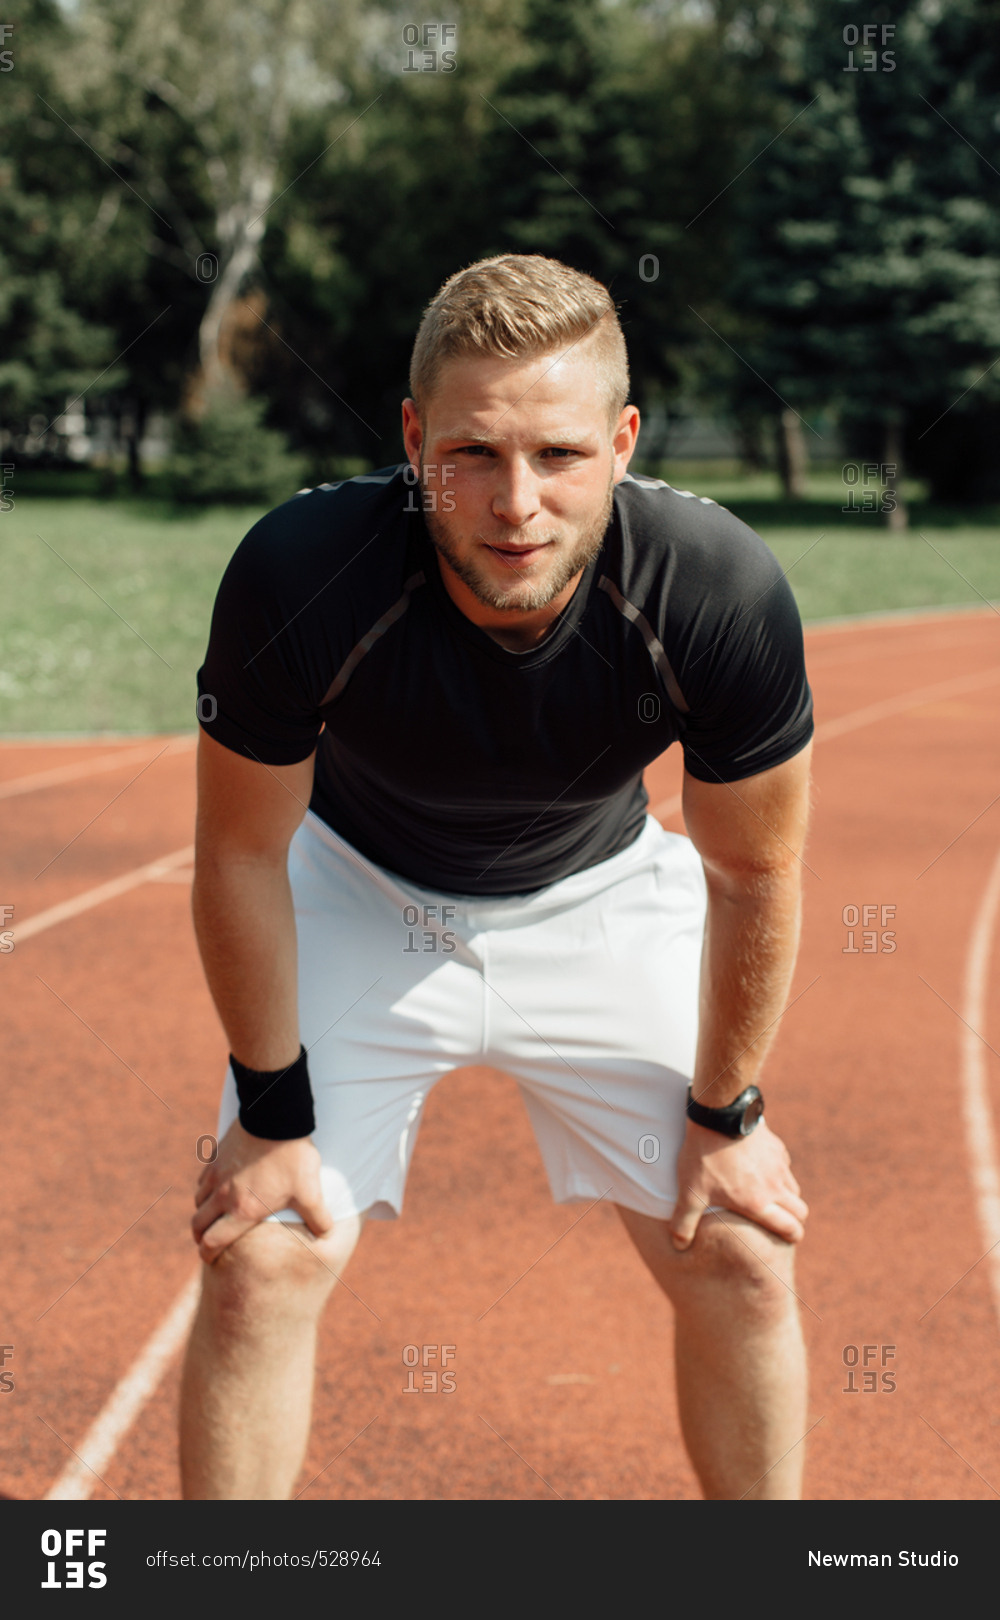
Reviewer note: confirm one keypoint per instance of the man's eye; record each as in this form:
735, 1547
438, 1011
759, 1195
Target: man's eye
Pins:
560, 452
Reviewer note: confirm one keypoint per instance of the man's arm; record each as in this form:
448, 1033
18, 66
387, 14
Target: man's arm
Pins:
245, 924
750, 836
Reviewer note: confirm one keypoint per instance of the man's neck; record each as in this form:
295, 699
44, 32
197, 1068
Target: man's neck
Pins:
517, 632
520, 637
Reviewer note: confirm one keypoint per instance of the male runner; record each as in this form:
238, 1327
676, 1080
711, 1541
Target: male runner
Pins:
430, 694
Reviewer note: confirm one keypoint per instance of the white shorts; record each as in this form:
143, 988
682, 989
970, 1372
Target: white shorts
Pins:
586, 992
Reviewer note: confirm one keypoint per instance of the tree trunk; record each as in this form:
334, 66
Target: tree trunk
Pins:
893, 504
793, 458
751, 442
133, 426
224, 293
240, 229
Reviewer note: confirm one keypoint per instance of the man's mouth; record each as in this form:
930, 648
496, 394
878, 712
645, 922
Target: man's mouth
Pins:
518, 556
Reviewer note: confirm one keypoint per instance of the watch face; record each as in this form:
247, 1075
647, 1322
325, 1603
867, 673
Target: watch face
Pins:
754, 1113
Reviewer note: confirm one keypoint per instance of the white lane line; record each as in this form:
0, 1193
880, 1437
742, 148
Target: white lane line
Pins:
86, 767
980, 1133
152, 871
906, 700
77, 1481
874, 712
889, 618
936, 645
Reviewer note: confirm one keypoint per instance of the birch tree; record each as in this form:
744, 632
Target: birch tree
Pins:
190, 103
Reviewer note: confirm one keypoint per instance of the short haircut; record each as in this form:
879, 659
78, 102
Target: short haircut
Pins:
519, 306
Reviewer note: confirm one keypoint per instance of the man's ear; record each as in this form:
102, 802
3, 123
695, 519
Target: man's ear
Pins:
623, 440
413, 432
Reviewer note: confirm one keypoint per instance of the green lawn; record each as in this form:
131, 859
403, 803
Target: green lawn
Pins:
104, 611
105, 604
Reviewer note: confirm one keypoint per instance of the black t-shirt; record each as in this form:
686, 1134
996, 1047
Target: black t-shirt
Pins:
464, 766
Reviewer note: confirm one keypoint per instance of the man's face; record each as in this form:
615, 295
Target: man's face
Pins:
517, 463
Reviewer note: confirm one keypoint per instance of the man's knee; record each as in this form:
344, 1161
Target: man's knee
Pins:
733, 1265
740, 1260
279, 1264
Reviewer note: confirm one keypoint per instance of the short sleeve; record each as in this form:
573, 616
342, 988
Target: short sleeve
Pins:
256, 694
745, 677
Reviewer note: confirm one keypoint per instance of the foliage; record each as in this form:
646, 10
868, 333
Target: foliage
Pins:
227, 454
774, 228
867, 271
53, 336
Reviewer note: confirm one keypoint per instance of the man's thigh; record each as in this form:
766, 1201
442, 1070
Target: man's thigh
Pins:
594, 1010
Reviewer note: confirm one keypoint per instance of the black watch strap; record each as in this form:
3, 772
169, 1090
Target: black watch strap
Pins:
738, 1118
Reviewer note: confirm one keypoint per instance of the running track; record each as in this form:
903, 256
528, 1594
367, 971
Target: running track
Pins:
882, 1082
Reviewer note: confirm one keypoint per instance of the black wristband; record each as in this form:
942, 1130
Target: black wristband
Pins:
276, 1104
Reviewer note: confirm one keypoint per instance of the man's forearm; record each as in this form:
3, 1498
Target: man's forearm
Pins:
751, 941
245, 924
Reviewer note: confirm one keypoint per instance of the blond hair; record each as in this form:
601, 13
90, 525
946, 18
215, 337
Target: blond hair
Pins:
519, 306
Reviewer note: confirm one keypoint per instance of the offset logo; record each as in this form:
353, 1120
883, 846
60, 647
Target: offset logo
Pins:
64, 1568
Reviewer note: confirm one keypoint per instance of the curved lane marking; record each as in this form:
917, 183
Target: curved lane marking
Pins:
152, 871
980, 1131
869, 716
86, 767
906, 700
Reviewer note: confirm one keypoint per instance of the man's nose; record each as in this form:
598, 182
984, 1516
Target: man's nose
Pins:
516, 498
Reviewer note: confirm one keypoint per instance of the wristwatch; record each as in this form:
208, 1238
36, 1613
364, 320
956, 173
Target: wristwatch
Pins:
738, 1118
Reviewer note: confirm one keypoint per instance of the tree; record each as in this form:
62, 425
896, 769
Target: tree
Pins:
867, 270
588, 131
53, 342
193, 104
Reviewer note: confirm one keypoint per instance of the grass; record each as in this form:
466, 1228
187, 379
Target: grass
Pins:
105, 603
104, 611
843, 562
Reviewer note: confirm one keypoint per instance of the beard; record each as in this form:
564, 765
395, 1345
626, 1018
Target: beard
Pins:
524, 594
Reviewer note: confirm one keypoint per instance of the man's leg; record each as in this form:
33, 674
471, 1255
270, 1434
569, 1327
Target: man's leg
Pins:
246, 1396
740, 1358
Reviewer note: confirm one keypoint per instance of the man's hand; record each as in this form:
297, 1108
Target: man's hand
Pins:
250, 1179
751, 1175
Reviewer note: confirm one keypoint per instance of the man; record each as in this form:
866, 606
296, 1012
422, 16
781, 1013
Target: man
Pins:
461, 667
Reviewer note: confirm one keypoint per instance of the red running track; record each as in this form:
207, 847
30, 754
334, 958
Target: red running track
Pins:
562, 1355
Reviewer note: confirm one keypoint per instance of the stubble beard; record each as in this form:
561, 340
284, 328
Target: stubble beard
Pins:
523, 595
